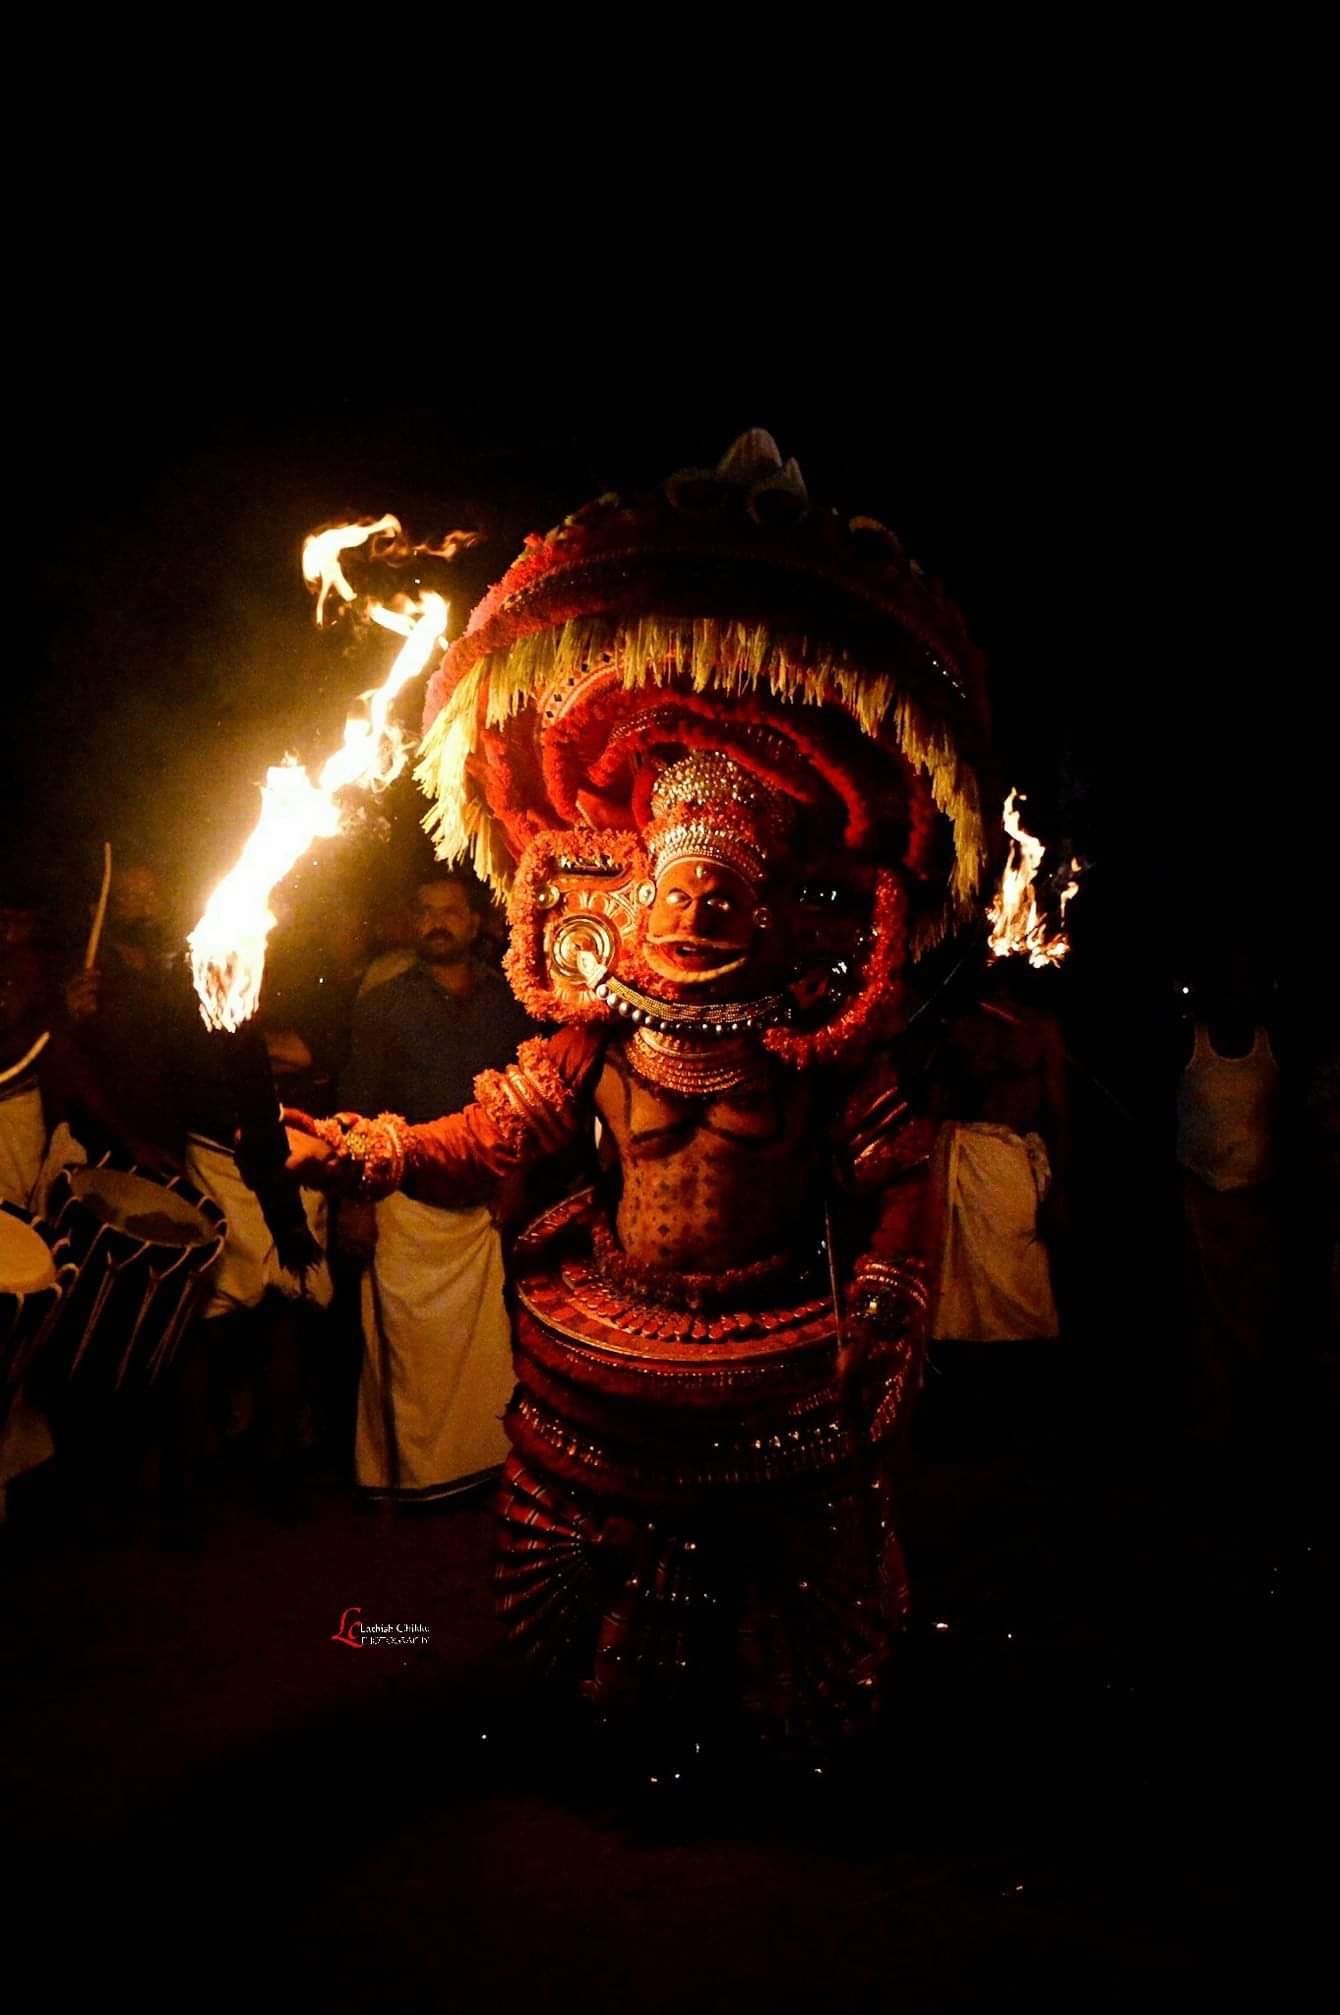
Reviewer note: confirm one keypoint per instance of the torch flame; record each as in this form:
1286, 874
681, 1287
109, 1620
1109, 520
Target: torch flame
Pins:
228, 944
322, 554
1016, 923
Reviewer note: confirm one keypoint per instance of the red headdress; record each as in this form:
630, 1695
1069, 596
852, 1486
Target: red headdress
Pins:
721, 613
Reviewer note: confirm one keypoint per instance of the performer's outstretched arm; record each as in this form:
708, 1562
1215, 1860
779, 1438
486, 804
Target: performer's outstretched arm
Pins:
532, 1108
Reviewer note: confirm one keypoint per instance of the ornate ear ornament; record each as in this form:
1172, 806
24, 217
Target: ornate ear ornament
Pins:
577, 910
581, 948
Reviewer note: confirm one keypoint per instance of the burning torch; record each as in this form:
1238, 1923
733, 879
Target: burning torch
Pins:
1019, 927
228, 944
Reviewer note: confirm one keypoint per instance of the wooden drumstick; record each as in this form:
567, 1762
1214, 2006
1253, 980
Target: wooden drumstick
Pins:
95, 935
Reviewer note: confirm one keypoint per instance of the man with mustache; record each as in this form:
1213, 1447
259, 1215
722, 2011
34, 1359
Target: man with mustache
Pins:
701, 926
436, 1372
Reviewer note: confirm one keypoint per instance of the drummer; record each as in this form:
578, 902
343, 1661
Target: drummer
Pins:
258, 1320
119, 1012
104, 1087
41, 1075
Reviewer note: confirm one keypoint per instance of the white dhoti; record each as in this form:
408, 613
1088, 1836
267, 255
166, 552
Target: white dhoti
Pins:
437, 1359
23, 1144
994, 1276
249, 1263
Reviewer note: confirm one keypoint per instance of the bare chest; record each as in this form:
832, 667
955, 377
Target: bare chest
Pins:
752, 1123
712, 1180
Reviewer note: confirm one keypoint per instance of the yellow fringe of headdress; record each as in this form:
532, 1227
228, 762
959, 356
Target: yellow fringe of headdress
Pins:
723, 657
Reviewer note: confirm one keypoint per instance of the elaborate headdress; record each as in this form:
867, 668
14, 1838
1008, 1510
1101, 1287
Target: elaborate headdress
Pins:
721, 616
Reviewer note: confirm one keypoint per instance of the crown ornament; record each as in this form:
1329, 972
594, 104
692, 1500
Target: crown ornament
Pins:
706, 807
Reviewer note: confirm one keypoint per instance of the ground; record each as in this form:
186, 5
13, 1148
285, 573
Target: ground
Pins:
1099, 1788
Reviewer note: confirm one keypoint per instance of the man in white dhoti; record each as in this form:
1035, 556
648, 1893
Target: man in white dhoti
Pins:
1000, 1398
995, 1276
1000, 1162
437, 1361
259, 1318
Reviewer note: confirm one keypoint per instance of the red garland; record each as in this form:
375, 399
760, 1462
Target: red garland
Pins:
506, 773
529, 1103
525, 790
543, 1077
562, 759
871, 1010
513, 1129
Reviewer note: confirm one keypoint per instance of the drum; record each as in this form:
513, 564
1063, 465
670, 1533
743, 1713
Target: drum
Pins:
34, 1275
143, 1246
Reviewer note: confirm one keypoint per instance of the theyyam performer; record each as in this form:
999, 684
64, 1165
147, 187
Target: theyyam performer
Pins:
721, 749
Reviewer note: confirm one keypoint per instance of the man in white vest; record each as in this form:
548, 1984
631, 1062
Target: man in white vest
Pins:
1227, 1148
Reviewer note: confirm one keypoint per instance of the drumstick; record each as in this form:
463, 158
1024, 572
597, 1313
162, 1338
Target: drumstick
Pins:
91, 953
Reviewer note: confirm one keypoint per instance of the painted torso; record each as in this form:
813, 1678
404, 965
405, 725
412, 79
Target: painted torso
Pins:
713, 1181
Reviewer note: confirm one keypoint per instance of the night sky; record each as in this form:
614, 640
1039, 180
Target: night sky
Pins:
1067, 485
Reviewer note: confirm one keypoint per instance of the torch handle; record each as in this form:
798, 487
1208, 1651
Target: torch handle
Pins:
262, 1148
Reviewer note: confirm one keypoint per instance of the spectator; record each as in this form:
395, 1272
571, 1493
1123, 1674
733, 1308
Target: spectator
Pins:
437, 1345
119, 1014
253, 1338
1227, 1144
997, 1085
1002, 1156
392, 940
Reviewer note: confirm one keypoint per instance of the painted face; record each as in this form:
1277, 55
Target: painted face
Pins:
444, 923
703, 926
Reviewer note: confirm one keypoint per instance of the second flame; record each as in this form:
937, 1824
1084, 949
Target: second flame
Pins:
1017, 925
